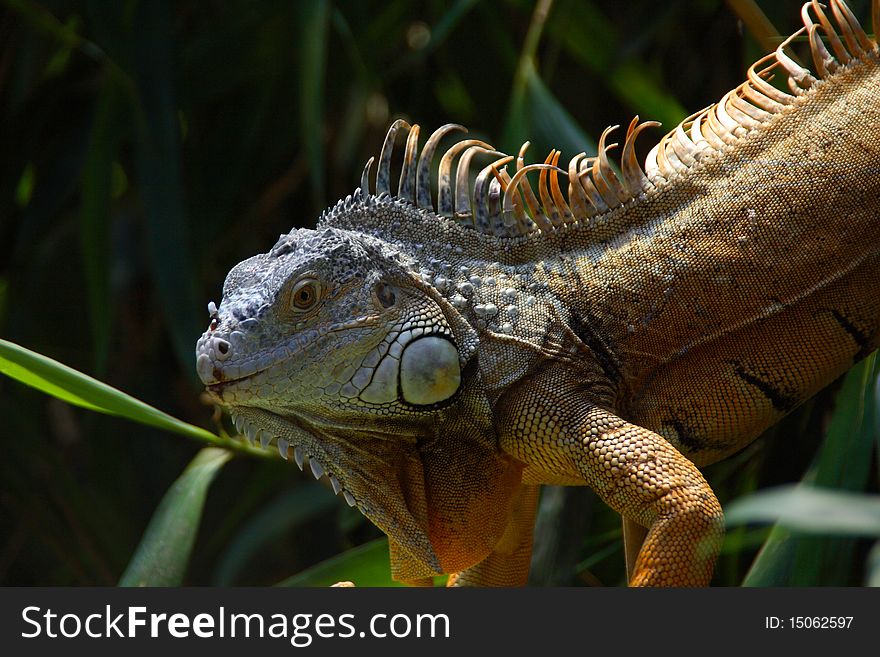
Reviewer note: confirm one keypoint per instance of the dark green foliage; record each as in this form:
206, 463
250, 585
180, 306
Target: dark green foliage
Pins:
148, 146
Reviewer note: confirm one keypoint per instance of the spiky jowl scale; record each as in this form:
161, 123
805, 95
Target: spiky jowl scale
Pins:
440, 360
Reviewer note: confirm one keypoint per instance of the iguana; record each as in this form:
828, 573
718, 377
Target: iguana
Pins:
440, 359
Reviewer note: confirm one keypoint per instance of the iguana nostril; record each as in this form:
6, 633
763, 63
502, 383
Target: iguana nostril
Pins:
222, 348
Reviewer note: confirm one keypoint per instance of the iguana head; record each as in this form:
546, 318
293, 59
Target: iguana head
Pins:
338, 348
331, 326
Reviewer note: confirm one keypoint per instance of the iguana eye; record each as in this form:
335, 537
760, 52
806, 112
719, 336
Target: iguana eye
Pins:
305, 294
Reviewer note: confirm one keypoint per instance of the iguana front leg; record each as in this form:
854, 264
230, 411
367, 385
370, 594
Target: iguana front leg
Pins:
551, 424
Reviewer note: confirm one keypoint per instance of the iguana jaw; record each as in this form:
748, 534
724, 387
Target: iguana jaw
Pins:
441, 519
381, 475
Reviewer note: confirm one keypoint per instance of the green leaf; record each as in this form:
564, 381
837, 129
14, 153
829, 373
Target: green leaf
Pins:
643, 95
876, 403
157, 155
25, 188
549, 124
270, 524
844, 460
873, 575
42, 21
314, 20
95, 211
605, 55
773, 565
163, 553
76, 388
789, 558
813, 510
365, 565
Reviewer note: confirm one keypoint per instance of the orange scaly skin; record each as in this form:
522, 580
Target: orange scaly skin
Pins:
439, 361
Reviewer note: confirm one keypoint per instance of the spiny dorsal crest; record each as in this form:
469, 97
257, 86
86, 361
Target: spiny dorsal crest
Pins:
506, 206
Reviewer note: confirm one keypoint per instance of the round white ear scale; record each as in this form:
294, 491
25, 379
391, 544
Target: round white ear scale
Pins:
429, 371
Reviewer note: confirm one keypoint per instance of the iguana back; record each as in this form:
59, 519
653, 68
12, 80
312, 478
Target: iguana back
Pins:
716, 339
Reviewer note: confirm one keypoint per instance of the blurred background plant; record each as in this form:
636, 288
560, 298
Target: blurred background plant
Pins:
148, 146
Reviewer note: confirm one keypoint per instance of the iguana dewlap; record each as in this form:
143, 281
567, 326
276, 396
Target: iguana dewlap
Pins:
439, 358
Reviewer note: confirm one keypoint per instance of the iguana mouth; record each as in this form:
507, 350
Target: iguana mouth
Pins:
218, 391
212, 349
224, 383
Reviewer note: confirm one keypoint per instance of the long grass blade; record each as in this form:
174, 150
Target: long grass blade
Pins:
157, 155
163, 554
271, 524
791, 558
811, 510
95, 212
74, 387
314, 23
